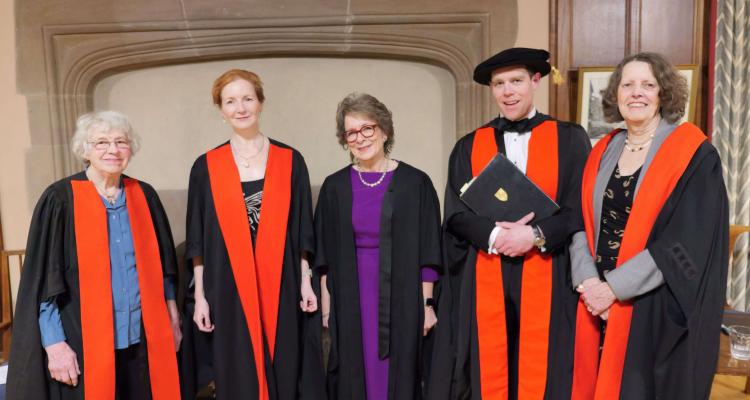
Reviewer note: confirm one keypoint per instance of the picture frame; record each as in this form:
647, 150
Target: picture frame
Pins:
592, 80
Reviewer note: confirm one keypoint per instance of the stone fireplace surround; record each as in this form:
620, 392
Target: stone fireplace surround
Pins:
79, 56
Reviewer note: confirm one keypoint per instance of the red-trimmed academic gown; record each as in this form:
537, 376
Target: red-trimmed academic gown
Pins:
51, 268
455, 373
230, 347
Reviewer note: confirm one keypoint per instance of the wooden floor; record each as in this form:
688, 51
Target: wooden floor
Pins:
728, 387
725, 387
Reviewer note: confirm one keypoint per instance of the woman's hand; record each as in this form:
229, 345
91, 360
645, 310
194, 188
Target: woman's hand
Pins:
587, 284
309, 302
176, 322
201, 315
430, 319
62, 363
598, 298
325, 300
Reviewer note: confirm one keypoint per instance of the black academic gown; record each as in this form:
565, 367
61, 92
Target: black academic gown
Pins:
409, 239
51, 269
455, 373
673, 344
232, 361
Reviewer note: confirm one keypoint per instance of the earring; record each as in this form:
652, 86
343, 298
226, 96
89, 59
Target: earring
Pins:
346, 146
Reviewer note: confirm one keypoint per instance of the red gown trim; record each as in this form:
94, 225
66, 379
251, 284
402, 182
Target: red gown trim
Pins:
542, 169
94, 275
257, 276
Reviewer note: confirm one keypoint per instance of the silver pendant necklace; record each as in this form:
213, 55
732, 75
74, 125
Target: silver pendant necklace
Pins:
245, 160
109, 195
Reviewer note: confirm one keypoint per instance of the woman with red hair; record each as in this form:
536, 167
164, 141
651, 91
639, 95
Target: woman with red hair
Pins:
249, 236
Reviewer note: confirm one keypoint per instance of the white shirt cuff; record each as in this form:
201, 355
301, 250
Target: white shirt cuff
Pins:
493, 236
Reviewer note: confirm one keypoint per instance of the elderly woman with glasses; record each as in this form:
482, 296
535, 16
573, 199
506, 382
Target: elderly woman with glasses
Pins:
96, 315
378, 245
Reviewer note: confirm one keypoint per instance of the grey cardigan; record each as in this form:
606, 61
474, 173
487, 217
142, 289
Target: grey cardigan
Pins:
639, 274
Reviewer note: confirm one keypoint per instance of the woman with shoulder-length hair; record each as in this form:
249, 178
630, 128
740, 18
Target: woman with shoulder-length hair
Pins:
249, 235
378, 245
651, 264
96, 316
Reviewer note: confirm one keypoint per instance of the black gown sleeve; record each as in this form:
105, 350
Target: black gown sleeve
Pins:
163, 232
463, 225
675, 328
196, 209
692, 247
312, 376
301, 217
42, 277
195, 344
320, 261
560, 226
429, 226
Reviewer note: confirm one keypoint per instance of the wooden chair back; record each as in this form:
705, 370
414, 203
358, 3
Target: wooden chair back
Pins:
734, 233
8, 258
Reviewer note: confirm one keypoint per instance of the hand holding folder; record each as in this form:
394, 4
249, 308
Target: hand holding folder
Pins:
502, 192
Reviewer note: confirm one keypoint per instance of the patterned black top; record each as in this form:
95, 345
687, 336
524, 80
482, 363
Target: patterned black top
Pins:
618, 198
253, 193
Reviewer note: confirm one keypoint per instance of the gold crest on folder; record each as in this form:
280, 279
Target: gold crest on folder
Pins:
501, 194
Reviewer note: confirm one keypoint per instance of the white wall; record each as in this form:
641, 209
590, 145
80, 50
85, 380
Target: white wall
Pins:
16, 139
533, 31
171, 109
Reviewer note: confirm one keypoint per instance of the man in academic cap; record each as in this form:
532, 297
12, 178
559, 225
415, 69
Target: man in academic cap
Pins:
510, 303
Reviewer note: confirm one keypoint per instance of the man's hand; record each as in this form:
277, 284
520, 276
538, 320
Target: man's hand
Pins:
63, 364
515, 238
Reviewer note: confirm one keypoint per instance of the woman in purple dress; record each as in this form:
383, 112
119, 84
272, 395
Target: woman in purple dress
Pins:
378, 250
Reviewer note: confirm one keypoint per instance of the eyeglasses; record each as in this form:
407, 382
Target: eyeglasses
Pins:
103, 144
367, 131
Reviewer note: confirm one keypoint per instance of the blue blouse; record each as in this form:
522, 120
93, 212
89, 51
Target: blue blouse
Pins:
126, 294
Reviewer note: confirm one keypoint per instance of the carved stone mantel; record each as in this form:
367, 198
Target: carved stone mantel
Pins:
79, 56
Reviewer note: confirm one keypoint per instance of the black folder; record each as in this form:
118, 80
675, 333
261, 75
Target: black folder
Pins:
502, 192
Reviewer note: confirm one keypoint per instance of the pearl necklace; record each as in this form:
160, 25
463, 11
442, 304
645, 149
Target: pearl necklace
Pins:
376, 183
245, 160
638, 146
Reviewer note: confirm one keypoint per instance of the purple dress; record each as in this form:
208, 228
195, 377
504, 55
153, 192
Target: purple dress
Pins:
366, 206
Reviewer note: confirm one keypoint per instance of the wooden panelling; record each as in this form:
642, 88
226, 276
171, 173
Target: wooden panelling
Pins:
667, 27
598, 32
587, 33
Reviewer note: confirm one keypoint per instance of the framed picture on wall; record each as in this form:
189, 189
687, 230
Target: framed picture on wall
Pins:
593, 80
